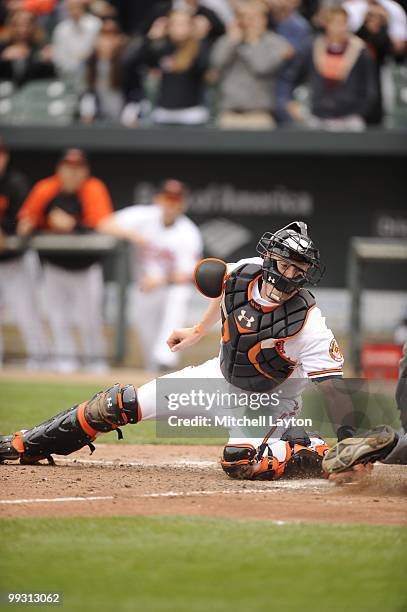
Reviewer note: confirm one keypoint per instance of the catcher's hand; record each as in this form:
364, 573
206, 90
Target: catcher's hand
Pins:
184, 337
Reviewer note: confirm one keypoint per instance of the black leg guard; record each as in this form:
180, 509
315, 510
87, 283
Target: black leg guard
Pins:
75, 428
61, 435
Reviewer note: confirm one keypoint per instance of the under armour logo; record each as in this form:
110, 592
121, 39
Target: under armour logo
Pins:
270, 279
109, 402
243, 316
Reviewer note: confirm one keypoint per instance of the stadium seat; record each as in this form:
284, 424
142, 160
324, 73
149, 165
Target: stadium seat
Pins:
39, 102
6, 101
399, 113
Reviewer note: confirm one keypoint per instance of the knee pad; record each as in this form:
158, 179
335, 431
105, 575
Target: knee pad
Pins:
110, 409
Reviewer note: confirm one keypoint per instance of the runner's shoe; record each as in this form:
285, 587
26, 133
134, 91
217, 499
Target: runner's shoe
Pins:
373, 446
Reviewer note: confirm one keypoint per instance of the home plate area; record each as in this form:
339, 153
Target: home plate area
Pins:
188, 480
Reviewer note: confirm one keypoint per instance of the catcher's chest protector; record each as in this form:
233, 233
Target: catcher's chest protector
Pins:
252, 353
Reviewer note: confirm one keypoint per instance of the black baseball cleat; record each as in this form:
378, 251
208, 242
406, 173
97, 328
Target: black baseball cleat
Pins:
7, 450
373, 446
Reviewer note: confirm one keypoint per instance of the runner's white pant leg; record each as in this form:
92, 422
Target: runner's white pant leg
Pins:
18, 285
147, 395
174, 314
149, 308
88, 309
29, 313
58, 292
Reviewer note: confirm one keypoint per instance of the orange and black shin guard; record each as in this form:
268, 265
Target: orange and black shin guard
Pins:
77, 427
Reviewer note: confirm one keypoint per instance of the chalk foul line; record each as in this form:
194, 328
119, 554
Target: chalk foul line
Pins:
49, 500
168, 494
199, 464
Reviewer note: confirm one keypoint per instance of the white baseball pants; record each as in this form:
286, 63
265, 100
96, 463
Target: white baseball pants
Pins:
158, 313
19, 281
147, 396
74, 299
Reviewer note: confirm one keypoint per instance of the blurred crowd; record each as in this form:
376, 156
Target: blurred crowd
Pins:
233, 63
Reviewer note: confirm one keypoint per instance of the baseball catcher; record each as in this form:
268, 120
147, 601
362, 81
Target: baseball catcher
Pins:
272, 331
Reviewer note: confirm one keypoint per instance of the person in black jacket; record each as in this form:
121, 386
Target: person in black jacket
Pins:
208, 23
17, 270
374, 32
340, 74
23, 57
111, 93
176, 49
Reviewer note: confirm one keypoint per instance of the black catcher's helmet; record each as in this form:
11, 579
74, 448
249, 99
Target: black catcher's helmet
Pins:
290, 242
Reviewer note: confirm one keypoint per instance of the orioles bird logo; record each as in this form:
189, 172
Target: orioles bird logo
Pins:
334, 351
248, 320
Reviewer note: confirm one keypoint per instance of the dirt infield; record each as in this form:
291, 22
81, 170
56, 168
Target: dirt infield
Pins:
149, 479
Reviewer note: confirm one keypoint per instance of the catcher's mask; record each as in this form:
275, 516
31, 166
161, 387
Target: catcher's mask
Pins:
288, 245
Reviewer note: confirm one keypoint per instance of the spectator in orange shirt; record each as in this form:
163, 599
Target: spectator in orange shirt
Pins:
38, 7
71, 201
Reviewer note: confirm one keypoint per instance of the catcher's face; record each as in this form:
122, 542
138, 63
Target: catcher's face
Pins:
289, 269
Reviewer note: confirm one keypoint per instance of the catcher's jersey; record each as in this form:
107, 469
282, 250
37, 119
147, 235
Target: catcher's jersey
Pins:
173, 249
314, 349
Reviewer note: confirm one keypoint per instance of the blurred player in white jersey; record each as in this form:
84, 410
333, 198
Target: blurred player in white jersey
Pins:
168, 247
